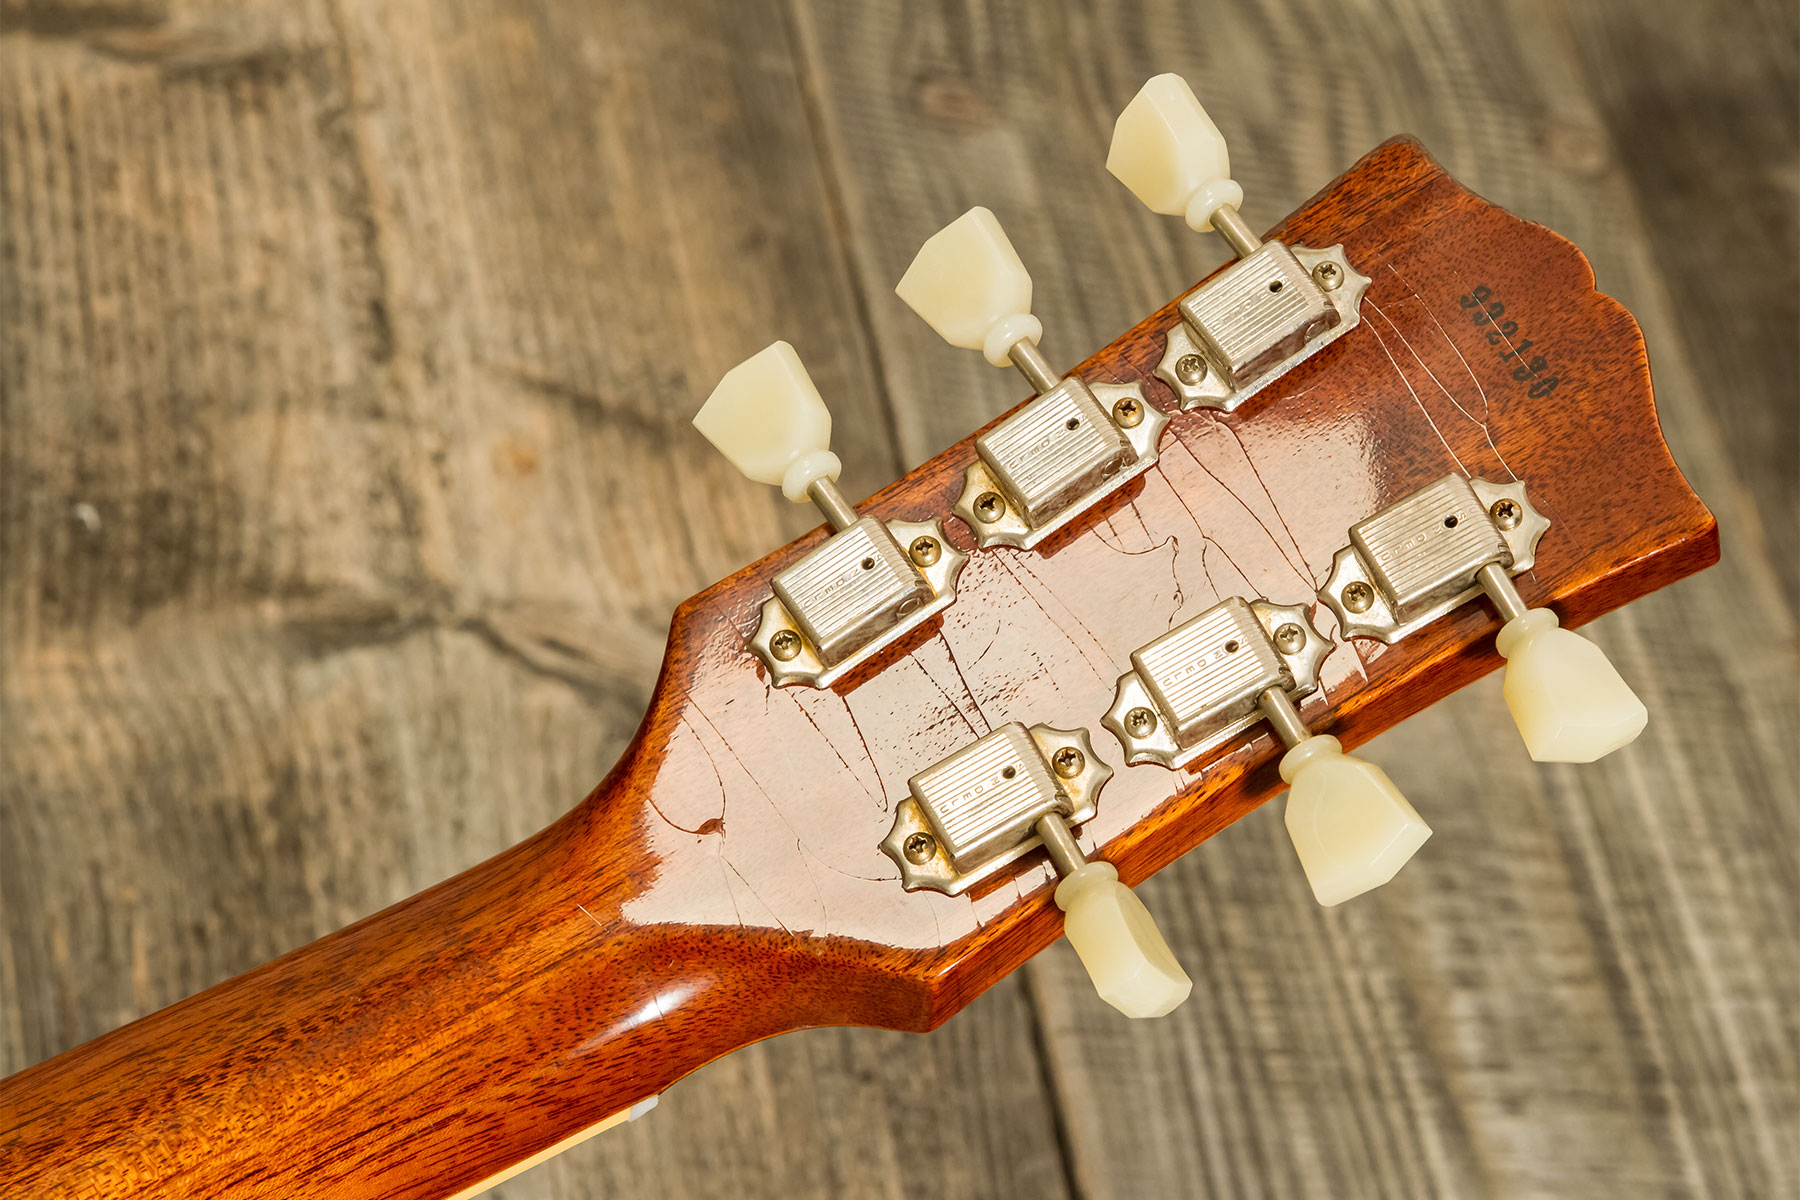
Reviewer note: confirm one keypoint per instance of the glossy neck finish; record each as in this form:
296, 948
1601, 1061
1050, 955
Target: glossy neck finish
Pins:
442, 1040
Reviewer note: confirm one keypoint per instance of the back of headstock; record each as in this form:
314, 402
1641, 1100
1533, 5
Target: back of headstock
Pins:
1482, 350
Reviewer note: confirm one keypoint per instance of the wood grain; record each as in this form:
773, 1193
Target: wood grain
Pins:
249, 717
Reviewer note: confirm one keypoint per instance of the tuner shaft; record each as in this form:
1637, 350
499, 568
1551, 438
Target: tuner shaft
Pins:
1279, 708
837, 508
1229, 225
1499, 586
1060, 844
1033, 365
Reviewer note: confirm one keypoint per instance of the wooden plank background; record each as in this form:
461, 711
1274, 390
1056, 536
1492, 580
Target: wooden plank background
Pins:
347, 352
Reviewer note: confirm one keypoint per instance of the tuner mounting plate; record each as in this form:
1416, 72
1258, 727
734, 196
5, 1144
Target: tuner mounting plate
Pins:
1057, 457
1414, 561
1198, 685
857, 594
1255, 321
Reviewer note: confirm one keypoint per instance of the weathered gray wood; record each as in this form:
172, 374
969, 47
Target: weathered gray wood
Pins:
345, 486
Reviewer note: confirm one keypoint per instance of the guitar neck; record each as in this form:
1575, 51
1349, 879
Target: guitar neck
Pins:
426, 1049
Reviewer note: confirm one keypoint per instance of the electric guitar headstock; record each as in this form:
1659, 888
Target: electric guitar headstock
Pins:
1399, 437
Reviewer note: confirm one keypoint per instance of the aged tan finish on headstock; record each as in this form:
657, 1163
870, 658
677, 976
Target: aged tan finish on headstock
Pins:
726, 882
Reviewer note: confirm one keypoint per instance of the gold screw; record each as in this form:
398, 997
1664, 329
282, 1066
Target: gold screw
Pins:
785, 644
989, 507
924, 550
1327, 276
1139, 722
1358, 596
1128, 413
1190, 369
1068, 762
919, 848
1289, 638
1506, 513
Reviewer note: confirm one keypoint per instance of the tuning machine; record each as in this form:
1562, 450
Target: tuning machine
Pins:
870, 582
1062, 452
1276, 306
1003, 796
1451, 541
1239, 662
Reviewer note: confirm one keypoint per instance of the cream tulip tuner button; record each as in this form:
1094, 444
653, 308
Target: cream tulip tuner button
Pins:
968, 283
1118, 942
768, 419
1568, 701
1350, 825
1171, 155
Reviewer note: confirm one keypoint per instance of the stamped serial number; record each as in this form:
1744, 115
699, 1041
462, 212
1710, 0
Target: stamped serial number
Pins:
1489, 314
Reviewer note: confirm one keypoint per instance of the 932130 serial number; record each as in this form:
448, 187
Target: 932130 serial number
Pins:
1489, 315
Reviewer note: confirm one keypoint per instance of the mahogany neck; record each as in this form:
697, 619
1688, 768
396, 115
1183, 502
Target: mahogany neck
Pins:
424, 1049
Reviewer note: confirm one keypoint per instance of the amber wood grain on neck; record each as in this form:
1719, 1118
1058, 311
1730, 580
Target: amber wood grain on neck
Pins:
724, 883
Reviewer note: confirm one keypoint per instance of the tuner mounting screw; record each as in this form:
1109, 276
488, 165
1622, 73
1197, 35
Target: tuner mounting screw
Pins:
1506, 513
1358, 596
919, 848
785, 644
1290, 638
1328, 276
1068, 762
1128, 412
989, 507
1190, 369
1139, 722
924, 550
